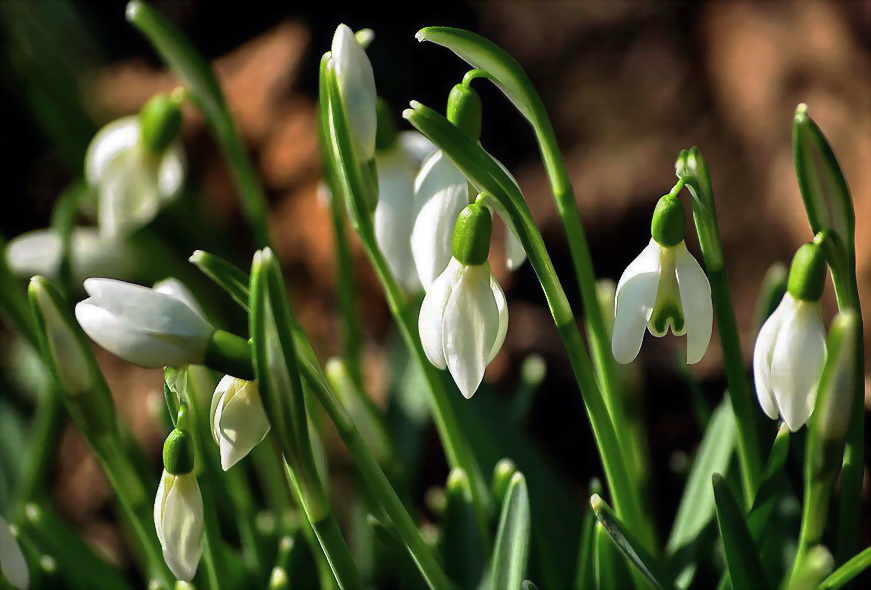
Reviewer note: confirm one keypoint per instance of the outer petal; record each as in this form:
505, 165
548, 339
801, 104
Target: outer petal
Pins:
12, 562
241, 423
799, 356
636, 295
171, 173
177, 290
129, 196
440, 193
695, 298
416, 145
357, 88
182, 527
432, 311
763, 351
116, 137
394, 214
470, 325
502, 306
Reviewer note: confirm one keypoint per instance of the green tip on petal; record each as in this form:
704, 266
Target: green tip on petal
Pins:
807, 275
471, 244
668, 225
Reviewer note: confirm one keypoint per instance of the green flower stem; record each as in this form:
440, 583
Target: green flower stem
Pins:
366, 463
693, 172
206, 93
490, 178
815, 509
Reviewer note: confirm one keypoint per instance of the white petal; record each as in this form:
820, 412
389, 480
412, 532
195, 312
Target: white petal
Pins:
177, 290
171, 173
167, 480
394, 214
799, 356
416, 145
763, 351
502, 306
470, 325
241, 423
12, 562
440, 194
432, 311
695, 298
116, 137
636, 295
183, 526
356, 83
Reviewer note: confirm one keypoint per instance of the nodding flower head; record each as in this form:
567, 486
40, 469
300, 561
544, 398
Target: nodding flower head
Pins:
239, 421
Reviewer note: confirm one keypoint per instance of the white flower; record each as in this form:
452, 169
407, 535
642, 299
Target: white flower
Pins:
38, 252
463, 321
395, 212
12, 563
238, 420
663, 288
178, 519
143, 326
356, 83
177, 290
132, 183
788, 359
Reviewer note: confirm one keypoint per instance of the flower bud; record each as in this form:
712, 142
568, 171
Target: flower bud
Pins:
669, 222
356, 83
239, 422
179, 523
160, 122
471, 244
807, 274
464, 110
143, 326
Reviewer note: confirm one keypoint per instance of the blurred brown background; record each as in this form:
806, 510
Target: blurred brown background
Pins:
627, 83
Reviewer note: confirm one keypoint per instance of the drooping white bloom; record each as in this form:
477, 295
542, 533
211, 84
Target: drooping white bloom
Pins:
663, 288
132, 183
143, 326
395, 212
12, 562
38, 252
788, 359
463, 321
178, 519
356, 83
238, 420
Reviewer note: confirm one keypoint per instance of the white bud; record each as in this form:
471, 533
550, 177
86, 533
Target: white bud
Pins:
143, 326
356, 83
179, 522
238, 419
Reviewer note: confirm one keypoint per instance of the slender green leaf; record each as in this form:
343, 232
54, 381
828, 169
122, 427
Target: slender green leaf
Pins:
847, 572
629, 544
227, 276
460, 544
742, 554
585, 571
696, 510
508, 567
769, 490
503, 473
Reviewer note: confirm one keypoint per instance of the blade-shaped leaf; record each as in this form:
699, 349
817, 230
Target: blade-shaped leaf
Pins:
847, 572
584, 575
227, 276
460, 542
629, 545
742, 554
696, 509
508, 568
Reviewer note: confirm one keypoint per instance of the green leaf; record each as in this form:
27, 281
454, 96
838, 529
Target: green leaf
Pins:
769, 490
585, 571
227, 276
823, 188
629, 544
508, 567
847, 572
696, 509
742, 553
460, 544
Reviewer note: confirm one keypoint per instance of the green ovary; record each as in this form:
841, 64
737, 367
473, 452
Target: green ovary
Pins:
667, 310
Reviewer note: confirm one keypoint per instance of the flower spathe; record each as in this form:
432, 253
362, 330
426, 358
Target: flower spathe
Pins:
663, 288
131, 182
12, 563
356, 83
142, 325
788, 358
238, 420
178, 520
463, 321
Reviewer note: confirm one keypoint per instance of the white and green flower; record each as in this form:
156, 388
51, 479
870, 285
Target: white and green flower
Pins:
239, 422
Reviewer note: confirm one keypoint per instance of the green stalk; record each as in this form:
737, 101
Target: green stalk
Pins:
815, 509
206, 93
693, 173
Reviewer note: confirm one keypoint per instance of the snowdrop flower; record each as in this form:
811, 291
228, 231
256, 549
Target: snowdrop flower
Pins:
38, 252
142, 325
790, 349
356, 83
178, 507
464, 316
136, 165
238, 420
12, 563
663, 288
